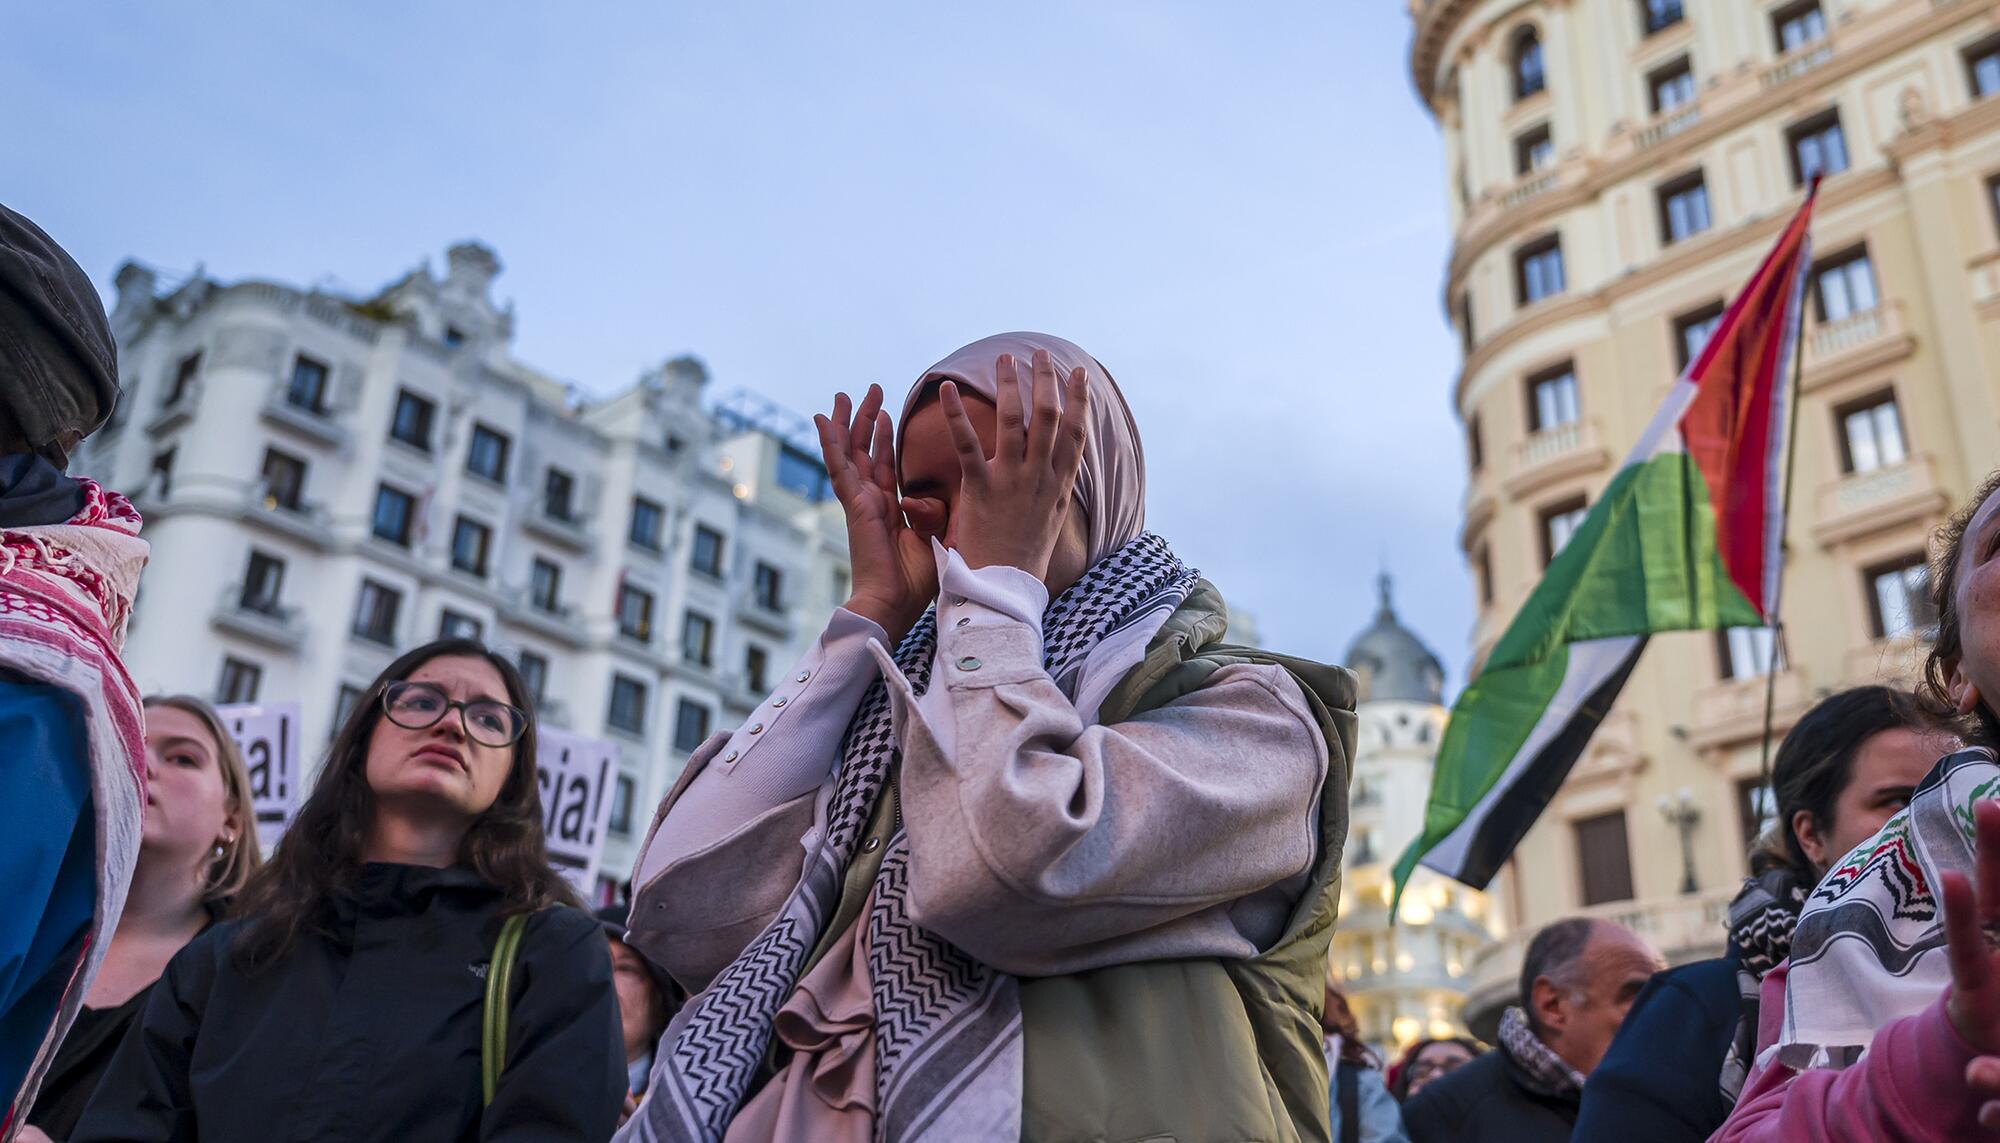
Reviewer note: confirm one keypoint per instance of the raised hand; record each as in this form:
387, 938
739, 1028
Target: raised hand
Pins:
895, 577
1971, 912
1011, 508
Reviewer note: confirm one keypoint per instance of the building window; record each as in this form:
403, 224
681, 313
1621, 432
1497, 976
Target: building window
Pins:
1552, 400
648, 523
1747, 652
559, 495
768, 587
1844, 285
534, 675
1756, 809
1482, 565
412, 422
239, 682
628, 705
1982, 67
1871, 435
454, 336
1798, 25
1817, 146
1683, 208
697, 638
163, 472
375, 612
1475, 445
395, 512
471, 542
1538, 270
545, 585
1692, 331
707, 555
690, 726
307, 389
756, 667
624, 792
1528, 75
487, 456
284, 480
803, 473
1671, 86
1604, 859
1900, 599
1659, 15
1559, 524
459, 625
263, 583
635, 613
1534, 151
344, 701
184, 375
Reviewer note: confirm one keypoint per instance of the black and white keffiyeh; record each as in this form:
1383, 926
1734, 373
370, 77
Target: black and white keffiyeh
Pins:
948, 1029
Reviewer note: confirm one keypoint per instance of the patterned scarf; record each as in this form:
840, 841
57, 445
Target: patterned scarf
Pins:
948, 1029
1761, 920
1548, 1073
1870, 946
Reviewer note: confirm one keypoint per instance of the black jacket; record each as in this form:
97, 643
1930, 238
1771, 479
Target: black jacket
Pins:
1661, 1080
374, 1034
1488, 1101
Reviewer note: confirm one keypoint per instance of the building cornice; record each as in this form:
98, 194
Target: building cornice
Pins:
1680, 259
1512, 222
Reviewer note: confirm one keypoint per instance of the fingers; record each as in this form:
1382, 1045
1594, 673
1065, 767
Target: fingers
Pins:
884, 454
1965, 945
833, 448
964, 438
1045, 415
1072, 429
862, 437
925, 515
1011, 427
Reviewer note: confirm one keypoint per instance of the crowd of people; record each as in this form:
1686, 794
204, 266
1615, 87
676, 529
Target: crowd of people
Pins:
1022, 848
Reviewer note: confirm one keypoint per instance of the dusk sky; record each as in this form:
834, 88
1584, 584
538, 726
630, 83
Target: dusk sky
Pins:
1237, 208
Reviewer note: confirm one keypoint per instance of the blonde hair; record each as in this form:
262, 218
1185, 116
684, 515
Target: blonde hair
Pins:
240, 856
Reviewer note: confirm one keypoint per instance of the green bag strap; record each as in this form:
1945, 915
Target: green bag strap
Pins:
493, 1027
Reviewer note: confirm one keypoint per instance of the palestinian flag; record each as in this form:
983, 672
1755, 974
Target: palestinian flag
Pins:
1685, 536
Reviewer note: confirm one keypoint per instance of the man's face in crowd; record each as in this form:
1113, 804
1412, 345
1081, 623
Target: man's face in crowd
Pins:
1579, 1022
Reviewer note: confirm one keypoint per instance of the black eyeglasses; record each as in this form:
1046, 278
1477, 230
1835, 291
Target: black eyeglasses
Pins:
419, 706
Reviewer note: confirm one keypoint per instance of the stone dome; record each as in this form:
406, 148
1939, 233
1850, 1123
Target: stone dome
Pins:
1393, 665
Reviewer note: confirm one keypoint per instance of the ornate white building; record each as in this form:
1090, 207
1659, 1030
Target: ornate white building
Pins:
327, 480
1404, 980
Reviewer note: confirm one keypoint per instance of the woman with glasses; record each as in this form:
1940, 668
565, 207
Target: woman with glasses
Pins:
344, 999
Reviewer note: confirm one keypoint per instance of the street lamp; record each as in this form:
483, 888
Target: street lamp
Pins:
1681, 813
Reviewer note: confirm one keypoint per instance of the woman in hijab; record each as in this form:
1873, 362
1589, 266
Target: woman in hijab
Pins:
1060, 866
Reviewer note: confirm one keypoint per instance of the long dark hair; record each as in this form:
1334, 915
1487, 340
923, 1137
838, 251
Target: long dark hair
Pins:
1816, 761
320, 856
1949, 644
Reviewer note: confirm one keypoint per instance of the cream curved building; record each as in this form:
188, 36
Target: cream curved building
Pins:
1405, 977
1617, 168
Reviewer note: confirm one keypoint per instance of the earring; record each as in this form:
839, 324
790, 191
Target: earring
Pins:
220, 849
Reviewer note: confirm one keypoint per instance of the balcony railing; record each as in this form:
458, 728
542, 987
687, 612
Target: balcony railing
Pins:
316, 424
1667, 126
1554, 454
570, 531
268, 622
1798, 63
1866, 503
560, 622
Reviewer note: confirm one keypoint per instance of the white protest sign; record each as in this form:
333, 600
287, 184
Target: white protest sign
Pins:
576, 776
268, 736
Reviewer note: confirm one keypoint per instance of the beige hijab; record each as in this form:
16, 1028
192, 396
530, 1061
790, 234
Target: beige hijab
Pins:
1111, 488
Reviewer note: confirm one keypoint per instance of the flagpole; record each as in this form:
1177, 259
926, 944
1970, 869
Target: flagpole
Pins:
1779, 651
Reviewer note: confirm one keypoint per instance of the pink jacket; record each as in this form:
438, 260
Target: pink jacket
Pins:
1909, 1087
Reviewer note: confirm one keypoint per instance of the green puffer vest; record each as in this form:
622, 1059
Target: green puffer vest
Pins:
1184, 1051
